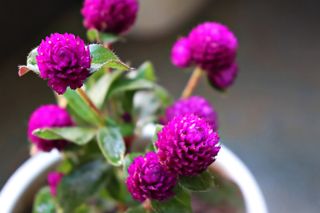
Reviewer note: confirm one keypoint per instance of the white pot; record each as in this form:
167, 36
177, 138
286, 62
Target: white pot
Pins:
15, 195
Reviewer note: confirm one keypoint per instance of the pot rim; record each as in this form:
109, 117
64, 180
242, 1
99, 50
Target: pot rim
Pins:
227, 162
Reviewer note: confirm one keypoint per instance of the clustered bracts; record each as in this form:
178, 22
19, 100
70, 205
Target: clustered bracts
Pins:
48, 116
211, 46
197, 105
64, 60
113, 16
180, 54
148, 179
54, 178
187, 145
222, 79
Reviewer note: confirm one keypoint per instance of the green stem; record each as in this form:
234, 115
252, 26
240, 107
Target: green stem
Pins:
192, 83
87, 99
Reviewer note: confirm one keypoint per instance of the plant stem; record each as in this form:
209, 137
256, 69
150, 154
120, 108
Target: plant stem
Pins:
61, 100
86, 98
192, 83
147, 205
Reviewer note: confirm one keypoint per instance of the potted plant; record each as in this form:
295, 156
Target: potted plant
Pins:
124, 144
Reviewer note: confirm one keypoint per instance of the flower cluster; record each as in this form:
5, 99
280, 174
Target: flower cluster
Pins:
48, 116
102, 121
64, 60
54, 178
194, 105
149, 179
181, 54
112, 16
211, 46
187, 145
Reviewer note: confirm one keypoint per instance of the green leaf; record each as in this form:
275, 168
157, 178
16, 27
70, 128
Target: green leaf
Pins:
201, 182
65, 166
81, 184
31, 64
80, 107
146, 71
181, 203
125, 85
77, 135
93, 35
108, 38
99, 90
104, 58
128, 161
96, 36
43, 202
126, 129
112, 145
83, 209
164, 96
117, 189
137, 209
146, 105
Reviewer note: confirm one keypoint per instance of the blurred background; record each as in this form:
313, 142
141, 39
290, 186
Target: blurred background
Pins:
270, 118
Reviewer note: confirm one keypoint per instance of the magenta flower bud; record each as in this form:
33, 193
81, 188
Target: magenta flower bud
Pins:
113, 16
181, 55
223, 79
54, 178
48, 116
64, 60
148, 179
187, 145
196, 105
213, 45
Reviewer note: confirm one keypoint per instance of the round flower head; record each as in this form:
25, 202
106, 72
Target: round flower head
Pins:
54, 178
114, 16
48, 116
196, 105
64, 60
213, 45
148, 179
224, 78
181, 53
187, 145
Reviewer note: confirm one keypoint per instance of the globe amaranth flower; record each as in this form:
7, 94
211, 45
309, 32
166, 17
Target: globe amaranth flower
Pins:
48, 116
148, 179
54, 178
196, 105
222, 79
64, 60
114, 16
213, 46
181, 54
187, 145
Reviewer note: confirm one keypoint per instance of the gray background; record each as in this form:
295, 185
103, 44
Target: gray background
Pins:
270, 117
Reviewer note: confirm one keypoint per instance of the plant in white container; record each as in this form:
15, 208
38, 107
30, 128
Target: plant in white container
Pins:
106, 112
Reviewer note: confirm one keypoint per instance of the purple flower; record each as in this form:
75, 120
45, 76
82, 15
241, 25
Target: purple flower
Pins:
187, 145
222, 79
64, 60
213, 45
48, 116
114, 16
148, 179
181, 54
54, 178
196, 105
